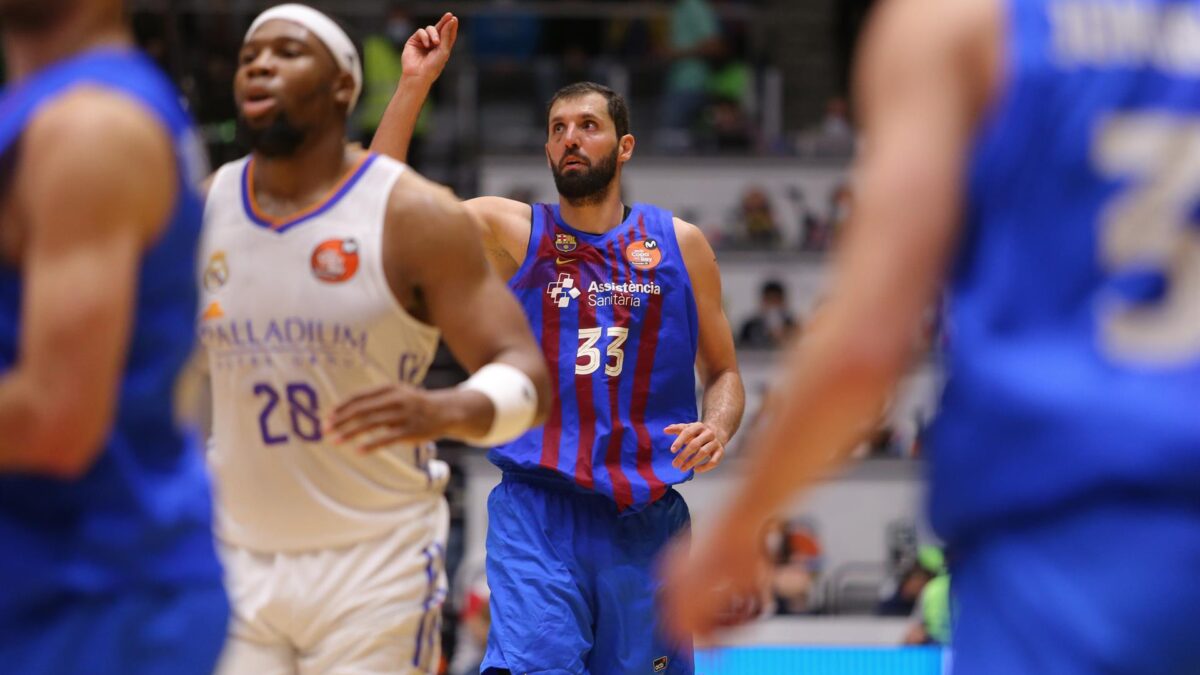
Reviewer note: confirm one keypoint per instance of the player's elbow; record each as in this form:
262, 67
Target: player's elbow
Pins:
873, 360
712, 376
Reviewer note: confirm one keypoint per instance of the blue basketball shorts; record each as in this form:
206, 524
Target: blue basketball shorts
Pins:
171, 631
573, 583
1108, 587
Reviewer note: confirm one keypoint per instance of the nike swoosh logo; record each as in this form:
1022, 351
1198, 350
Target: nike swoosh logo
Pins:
564, 261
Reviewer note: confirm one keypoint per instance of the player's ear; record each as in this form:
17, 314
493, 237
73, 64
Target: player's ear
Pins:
549, 161
625, 148
343, 89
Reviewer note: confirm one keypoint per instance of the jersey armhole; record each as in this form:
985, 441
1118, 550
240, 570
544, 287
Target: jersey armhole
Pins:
536, 233
668, 220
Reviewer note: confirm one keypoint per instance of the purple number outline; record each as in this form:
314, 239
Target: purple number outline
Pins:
263, 417
309, 412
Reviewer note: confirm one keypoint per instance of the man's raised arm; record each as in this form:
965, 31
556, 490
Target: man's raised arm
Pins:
425, 55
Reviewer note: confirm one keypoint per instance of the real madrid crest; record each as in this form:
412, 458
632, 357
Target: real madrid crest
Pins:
565, 243
216, 273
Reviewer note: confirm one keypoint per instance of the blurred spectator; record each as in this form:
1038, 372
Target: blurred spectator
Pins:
773, 325
890, 437
522, 193
694, 37
505, 38
381, 71
811, 228
836, 135
475, 619
841, 203
572, 50
900, 538
731, 75
629, 40
504, 34
729, 128
902, 600
205, 75
795, 556
756, 219
730, 93
885, 443
932, 613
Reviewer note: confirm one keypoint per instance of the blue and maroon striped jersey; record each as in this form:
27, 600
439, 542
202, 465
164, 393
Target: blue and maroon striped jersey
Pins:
616, 319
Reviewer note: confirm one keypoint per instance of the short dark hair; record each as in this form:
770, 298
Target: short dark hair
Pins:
618, 110
773, 287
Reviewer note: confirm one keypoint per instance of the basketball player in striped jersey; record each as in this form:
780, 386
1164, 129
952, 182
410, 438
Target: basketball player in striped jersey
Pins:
626, 301
1040, 157
330, 274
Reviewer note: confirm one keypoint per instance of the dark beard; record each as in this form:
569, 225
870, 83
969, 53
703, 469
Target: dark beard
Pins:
280, 139
587, 187
25, 16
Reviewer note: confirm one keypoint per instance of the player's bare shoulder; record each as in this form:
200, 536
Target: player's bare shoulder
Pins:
505, 217
92, 110
427, 232
415, 198
506, 227
697, 253
939, 19
700, 261
110, 148
967, 33
421, 213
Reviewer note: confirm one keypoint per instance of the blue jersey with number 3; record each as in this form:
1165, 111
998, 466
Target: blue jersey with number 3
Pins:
141, 515
1074, 309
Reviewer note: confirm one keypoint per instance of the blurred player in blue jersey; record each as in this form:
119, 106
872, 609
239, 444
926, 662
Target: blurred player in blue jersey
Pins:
108, 563
626, 302
1042, 159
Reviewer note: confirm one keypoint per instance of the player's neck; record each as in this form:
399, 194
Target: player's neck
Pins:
313, 169
26, 52
595, 217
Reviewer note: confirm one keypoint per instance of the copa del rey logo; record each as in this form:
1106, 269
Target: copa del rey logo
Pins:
565, 289
335, 260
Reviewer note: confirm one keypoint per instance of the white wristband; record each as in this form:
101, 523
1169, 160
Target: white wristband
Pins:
512, 395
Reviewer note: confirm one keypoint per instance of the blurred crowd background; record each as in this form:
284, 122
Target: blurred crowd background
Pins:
742, 110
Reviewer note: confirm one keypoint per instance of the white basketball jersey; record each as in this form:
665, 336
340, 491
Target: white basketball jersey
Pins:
297, 317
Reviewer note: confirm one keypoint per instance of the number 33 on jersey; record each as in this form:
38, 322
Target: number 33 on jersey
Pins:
616, 318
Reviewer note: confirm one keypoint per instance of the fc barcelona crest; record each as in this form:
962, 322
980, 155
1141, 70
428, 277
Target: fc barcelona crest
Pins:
565, 243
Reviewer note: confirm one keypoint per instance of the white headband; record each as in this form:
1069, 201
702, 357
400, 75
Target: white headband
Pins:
327, 31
